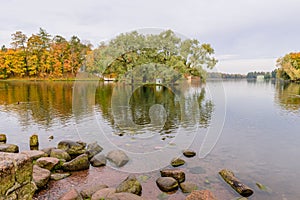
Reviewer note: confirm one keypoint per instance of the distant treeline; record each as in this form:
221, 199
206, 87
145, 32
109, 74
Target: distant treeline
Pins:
218, 75
42, 56
266, 75
250, 75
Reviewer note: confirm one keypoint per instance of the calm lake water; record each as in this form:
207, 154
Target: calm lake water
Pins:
249, 127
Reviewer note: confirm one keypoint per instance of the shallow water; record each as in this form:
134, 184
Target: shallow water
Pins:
249, 127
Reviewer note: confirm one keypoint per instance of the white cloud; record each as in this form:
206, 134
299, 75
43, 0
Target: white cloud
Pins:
247, 28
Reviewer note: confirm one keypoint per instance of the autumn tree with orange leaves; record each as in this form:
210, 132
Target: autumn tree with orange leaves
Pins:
42, 56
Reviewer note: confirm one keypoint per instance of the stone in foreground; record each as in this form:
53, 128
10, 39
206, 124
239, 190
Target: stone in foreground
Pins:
98, 160
125, 196
34, 140
177, 174
9, 148
72, 194
89, 191
103, 193
117, 157
188, 187
131, 185
59, 176
60, 154
167, 184
201, 195
2, 138
47, 162
16, 176
93, 149
34, 154
176, 162
189, 153
79, 163
40, 176
71, 147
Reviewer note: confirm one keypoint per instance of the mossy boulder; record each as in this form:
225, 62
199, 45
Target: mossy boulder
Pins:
131, 185
79, 163
9, 148
60, 154
72, 148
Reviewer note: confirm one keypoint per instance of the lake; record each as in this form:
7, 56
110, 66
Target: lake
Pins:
250, 127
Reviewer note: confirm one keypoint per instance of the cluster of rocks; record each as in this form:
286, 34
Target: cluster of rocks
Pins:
37, 167
129, 189
53, 163
172, 179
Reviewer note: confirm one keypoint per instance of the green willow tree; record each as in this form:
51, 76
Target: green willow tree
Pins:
127, 51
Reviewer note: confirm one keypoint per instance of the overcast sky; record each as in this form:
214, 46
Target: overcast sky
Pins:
246, 34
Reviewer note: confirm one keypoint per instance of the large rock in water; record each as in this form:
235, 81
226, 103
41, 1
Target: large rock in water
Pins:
60, 154
89, 191
98, 160
117, 157
201, 195
93, 149
177, 174
79, 163
131, 185
72, 194
47, 162
40, 176
9, 148
71, 147
167, 184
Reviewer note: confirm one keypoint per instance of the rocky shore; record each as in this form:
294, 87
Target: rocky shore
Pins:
30, 174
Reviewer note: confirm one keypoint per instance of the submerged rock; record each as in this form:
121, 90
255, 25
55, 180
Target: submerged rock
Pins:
177, 174
176, 162
79, 163
40, 176
117, 157
98, 160
93, 149
131, 185
188, 187
71, 147
167, 184
189, 153
72, 194
201, 195
9, 148
47, 162
60, 154
59, 176
89, 191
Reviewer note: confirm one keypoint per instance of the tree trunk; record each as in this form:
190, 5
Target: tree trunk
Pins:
236, 184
